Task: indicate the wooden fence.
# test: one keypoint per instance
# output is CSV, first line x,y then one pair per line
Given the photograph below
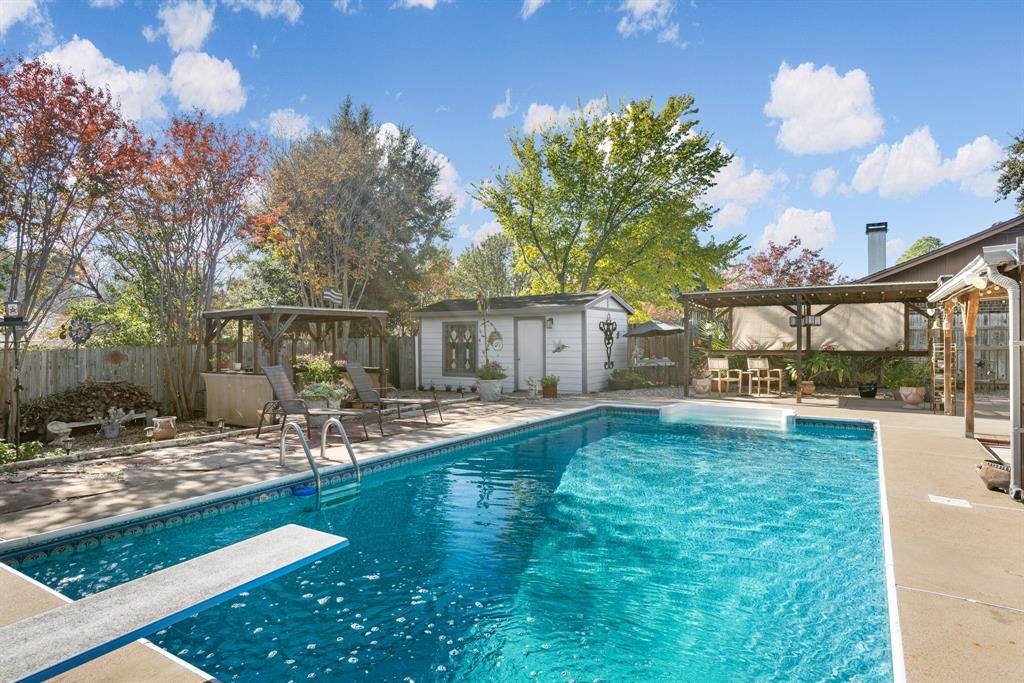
x,y
49,371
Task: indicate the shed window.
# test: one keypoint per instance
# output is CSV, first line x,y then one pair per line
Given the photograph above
x,y
460,349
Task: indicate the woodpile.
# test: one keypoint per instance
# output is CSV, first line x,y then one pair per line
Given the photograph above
x,y
88,400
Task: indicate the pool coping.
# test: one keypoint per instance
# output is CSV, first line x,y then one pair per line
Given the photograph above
x,y
37,547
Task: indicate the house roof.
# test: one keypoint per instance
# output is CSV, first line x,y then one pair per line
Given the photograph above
x,y
847,293
535,302
994,229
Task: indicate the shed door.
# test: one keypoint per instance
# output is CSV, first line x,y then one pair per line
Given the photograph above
x,y
529,352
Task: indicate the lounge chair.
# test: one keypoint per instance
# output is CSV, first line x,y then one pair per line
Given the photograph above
x,y
721,374
759,373
286,402
371,397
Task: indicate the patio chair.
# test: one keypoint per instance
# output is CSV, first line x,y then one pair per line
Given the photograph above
x,y
371,397
759,373
286,402
721,374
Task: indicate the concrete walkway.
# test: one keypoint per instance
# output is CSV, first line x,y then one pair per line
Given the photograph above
x,y
959,570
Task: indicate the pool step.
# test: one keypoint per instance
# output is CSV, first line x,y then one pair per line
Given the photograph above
x,y
727,415
340,495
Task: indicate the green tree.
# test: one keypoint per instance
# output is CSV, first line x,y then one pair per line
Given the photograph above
x,y
1011,173
613,201
922,246
489,267
264,280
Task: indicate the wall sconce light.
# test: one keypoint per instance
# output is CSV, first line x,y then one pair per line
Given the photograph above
x,y
549,323
979,281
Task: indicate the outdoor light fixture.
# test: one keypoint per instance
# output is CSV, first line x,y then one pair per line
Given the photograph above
x,y
220,424
549,323
930,311
66,443
808,321
979,281
12,309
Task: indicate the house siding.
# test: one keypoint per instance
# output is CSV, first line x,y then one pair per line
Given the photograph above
x,y
597,374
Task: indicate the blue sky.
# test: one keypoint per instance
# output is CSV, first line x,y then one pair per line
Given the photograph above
x,y
840,113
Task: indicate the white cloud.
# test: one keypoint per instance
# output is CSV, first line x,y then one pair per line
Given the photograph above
x,y
140,92
442,109
530,7
914,164
730,216
646,16
409,4
347,6
540,116
150,34
484,231
823,181
289,10
822,111
287,124
254,51
734,184
186,24
504,109
814,228
199,80
32,12
894,248
105,3
464,232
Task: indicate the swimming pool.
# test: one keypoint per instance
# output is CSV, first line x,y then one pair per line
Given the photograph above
x,y
607,547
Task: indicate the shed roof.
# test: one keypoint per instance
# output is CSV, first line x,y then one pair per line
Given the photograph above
x,y
537,302
847,293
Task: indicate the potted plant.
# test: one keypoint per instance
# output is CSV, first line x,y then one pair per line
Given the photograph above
x,y
111,422
620,379
549,386
319,395
820,365
488,379
317,368
866,385
700,379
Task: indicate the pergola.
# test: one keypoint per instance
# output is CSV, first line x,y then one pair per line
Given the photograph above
x,y
273,322
996,274
806,305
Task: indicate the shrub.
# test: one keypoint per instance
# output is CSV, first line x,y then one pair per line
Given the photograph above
x,y
84,402
320,391
902,372
491,370
29,451
317,369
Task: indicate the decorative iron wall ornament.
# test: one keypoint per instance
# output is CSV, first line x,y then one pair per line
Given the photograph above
x,y
608,326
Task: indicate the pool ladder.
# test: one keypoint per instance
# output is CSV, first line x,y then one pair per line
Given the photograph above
x,y
342,494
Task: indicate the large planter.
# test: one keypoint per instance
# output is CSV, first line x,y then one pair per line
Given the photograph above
x,y
995,474
165,428
807,387
111,431
867,390
701,385
550,391
619,384
317,421
912,397
490,389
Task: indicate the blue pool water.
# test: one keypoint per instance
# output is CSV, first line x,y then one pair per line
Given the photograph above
x,y
610,548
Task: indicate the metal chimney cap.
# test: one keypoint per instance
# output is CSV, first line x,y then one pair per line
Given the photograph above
x,y
876,227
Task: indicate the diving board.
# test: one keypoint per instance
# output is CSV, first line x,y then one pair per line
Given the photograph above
x,y
47,644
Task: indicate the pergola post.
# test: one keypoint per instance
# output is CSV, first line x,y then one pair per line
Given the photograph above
x,y
255,344
687,346
381,355
948,361
239,348
970,329
799,347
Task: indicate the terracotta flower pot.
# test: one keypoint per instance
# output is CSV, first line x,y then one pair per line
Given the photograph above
x,y
807,387
995,474
165,428
912,397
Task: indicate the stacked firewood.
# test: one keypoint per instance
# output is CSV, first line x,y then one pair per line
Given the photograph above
x,y
89,400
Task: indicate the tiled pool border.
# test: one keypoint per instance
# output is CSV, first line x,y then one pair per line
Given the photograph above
x,y
31,549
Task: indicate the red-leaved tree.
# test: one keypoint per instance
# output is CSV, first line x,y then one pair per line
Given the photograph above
x,y
186,218
782,265
67,162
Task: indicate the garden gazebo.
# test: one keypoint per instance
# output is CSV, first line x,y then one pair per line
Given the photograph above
x,y
238,395
858,319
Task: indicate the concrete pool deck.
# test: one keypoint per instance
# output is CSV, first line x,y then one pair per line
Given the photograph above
x,y
959,570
